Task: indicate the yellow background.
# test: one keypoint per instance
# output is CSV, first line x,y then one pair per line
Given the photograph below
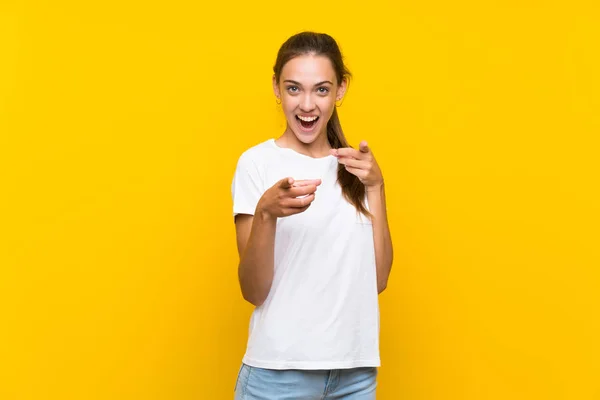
x,y
120,126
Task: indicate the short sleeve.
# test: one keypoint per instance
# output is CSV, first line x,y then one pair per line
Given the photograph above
x,y
247,187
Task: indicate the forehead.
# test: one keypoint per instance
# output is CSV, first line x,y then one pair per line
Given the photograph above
x,y
308,69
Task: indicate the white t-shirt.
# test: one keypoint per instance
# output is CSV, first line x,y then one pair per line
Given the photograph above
x,y
322,310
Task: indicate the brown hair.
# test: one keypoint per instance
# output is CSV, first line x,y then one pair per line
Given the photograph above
x,y
321,44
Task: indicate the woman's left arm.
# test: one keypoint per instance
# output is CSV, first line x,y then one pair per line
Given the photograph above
x,y
362,163
384,252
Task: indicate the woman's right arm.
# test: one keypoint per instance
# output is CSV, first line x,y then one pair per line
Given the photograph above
x,y
256,234
256,243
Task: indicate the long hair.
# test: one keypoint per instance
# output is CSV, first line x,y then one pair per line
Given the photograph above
x,y
321,44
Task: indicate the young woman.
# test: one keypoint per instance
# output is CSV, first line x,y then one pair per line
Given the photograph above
x,y
312,265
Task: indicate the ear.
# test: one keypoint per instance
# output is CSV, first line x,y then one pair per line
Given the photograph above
x,y
276,87
341,90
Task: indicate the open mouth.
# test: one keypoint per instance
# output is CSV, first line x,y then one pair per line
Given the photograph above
x,y
307,124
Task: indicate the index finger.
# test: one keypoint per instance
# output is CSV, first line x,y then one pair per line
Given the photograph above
x,y
348,152
307,182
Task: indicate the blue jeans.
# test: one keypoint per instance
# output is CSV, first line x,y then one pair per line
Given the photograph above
x,y
255,383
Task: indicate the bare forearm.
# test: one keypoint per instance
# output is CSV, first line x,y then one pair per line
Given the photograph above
x,y
384,253
256,269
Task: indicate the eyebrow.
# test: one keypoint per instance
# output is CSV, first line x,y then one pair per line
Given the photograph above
x,y
299,84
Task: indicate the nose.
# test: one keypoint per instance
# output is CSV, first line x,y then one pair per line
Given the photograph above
x,y
307,103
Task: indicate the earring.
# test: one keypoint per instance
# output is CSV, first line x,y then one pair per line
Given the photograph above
x,y
336,104
279,100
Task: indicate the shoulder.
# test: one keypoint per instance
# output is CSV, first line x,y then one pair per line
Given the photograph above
x,y
257,155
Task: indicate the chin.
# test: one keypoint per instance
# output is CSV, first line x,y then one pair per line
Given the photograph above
x,y
307,137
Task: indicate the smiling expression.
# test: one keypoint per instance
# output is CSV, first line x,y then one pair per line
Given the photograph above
x,y
308,90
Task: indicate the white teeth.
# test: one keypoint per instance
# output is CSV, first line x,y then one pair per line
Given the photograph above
x,y
307,119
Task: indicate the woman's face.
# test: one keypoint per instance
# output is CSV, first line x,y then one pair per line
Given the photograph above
x,y
308,89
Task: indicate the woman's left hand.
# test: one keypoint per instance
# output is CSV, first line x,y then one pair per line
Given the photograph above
x,y
362,164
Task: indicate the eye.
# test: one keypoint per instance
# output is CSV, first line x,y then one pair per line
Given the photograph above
x,y
325,90
292,87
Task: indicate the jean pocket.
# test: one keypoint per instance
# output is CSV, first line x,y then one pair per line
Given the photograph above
x,y
237,381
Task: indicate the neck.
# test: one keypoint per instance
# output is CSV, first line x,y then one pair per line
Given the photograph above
x,y
318,148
